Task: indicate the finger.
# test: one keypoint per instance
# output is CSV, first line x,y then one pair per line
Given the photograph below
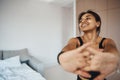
x,y
92,50
101,50
89,62
100,77
87,68
84,46
86,53
81,64
83,73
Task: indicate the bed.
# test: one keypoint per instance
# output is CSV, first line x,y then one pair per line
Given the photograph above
x,y
19,65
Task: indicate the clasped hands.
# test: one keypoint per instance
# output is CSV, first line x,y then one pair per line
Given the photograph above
x,y
86,58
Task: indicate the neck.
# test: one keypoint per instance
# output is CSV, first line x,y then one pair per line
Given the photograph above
x,y
90,37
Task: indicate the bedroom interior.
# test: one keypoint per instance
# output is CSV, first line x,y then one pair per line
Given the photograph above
x,y
36,30
19,65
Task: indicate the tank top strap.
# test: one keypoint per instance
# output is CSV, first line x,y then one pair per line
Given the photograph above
x,y
100,44
80,40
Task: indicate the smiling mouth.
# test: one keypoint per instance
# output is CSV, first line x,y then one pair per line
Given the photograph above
x,y
84,25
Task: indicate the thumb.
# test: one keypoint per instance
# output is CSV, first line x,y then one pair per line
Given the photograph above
x,y
84,46
101,50
93,51
100,77
83,73
87,68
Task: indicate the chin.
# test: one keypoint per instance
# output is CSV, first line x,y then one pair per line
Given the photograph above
x,y
85,30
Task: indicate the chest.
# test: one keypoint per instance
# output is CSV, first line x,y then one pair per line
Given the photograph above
x,y
96,45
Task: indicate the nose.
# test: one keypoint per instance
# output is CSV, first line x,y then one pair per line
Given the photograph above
x,y
83,20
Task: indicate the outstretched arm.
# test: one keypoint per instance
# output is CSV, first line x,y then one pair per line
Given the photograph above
x,y
72,59
106,61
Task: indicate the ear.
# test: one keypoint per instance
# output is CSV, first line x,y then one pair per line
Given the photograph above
x,y
98,24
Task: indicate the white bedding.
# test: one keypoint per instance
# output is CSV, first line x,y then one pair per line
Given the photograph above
x,y
23,72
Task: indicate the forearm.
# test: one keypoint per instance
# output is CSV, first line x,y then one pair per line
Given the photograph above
x,y
65,49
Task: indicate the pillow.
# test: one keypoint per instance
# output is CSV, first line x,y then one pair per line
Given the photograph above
x,y
23,53
1,54
10,62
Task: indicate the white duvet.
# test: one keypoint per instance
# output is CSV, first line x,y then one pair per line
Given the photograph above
x,y
23,72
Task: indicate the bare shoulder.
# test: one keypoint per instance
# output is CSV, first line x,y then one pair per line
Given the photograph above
x,y
110,45
109,41
72,43
73,40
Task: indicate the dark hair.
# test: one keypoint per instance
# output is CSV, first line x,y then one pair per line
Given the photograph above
x,y
97,18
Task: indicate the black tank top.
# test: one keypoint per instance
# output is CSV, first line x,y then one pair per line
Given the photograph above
x,y
93,73
100,44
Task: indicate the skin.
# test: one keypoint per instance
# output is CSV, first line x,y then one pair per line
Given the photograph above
x,y
79,60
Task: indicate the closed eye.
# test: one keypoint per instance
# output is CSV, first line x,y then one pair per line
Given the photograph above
x,y
88,18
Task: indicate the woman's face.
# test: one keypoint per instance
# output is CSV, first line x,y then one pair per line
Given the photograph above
x,y
88,23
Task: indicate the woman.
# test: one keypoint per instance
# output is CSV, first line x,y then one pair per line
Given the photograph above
x,y
90,56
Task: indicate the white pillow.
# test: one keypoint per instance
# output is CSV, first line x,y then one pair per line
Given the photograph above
x,y
10,62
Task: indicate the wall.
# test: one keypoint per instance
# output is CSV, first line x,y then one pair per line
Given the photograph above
x,y
67,28
108,10
35,25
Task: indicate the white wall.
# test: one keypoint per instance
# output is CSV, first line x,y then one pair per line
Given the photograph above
x,y
35,25
68,26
